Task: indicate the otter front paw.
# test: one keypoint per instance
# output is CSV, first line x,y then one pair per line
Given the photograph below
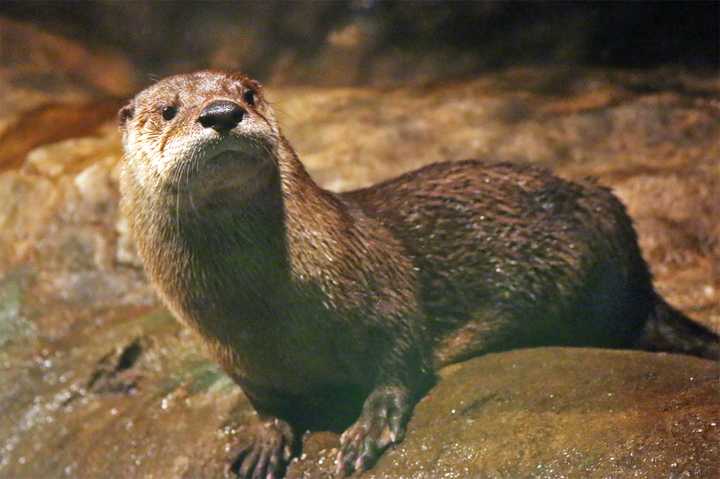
x,y
382,423
267,455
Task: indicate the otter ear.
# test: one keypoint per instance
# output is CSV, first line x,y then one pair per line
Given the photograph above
x,y
126,113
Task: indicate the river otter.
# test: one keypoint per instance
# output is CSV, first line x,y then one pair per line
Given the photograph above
x,y
325,306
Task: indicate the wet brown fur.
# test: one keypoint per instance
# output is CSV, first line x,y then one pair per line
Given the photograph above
x,y
303,294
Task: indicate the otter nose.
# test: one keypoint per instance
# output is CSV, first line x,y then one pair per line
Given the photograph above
x,y
221,115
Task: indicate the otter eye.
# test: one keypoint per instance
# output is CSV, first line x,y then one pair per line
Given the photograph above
x,y
249,97
169,112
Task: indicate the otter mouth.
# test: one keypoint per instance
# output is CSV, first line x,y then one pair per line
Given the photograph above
x,y
228,159
214,169
230,166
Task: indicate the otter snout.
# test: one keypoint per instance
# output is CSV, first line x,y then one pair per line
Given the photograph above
x,y
221,115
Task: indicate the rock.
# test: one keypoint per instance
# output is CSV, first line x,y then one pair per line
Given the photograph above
x,y
54,88
49,123
58,65
345,43
565,413
14,326
153,408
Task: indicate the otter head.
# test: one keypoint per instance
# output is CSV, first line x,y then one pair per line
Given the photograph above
x,y
202,133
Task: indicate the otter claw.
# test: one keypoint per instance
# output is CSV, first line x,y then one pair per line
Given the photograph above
x,y
267,456
381,424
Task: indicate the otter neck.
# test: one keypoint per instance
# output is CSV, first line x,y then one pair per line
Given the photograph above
x,y
264,242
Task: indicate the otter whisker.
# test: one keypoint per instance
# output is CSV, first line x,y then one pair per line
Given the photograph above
x,y
192,171
174,180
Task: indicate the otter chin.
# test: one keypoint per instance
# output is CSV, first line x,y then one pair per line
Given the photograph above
x,y
335,310
235,172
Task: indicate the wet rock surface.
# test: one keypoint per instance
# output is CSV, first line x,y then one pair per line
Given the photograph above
x,y
96,380
551,412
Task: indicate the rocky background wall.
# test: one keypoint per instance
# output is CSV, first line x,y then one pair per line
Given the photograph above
x,y
97,380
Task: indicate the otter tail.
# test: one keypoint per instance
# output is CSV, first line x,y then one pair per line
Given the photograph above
x,y
667,329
